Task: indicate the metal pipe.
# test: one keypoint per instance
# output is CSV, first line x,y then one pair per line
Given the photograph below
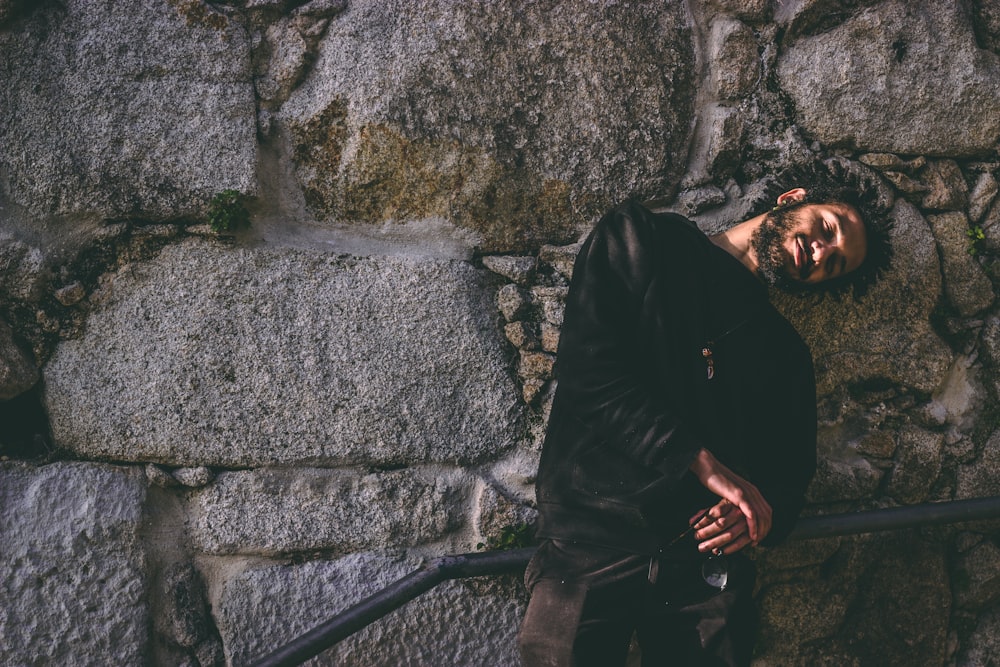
x,y
392,597
896,518
432,573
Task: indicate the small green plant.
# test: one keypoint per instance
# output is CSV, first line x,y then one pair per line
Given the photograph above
x,y
512,536
977,239
227,213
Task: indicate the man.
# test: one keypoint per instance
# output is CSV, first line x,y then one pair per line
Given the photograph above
x,y
683,427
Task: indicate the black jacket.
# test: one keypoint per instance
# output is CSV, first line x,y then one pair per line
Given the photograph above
x,y
634,402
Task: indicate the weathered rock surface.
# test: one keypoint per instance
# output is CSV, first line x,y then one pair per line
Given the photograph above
x,y
887,334
895,618
135,108
983,646
982,478
898,77
918,463
207,356
18,372
73,586
333,510
449,625
968,288
505,119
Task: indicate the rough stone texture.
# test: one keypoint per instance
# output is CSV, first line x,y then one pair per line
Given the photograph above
x,y
449,625
898,77
839,479
186,615
968,288
959,399
513,302
725,137
208,356
918,463
194,477
736,64
983,193
518,269
125,108
23,274
982,478
886,335
497,117
73,584
335,510
978,582
495,512
946,188
18,372
894,618
983,646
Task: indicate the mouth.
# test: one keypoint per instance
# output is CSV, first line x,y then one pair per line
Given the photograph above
x,y
802,260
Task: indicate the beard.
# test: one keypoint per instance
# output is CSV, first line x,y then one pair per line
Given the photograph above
x,y
768,241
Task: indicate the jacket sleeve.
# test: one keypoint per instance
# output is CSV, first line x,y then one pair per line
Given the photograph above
x,y
783,467
601,367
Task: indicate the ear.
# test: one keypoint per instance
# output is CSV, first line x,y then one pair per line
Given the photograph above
x,y
798,194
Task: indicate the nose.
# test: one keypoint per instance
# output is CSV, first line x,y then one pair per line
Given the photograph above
x,y
819,250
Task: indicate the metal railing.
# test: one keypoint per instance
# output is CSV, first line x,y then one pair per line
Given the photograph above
x,y
432,573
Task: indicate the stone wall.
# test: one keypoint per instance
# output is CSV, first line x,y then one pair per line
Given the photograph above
x,y
213,441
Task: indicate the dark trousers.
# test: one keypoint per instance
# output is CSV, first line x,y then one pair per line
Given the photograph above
x,y
587,601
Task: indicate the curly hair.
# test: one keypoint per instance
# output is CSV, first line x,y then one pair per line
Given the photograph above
x,y
836,181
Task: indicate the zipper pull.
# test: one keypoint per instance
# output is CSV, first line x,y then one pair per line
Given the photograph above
x,y
706,352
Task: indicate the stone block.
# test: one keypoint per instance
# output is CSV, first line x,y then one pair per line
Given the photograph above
x,y
403,96
245,357
73,580
448,625
967,286
270,512
735,62
135,108
935,86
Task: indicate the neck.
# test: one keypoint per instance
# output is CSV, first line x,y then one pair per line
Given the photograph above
x,y
737,241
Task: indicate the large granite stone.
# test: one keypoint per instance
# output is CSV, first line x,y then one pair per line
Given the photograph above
x,y
879,600
245,357
898,77
507,119
73,584
125,108
968,288
449,625
270,512
887,335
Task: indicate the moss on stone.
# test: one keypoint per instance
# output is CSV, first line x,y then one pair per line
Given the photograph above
x,y
388,177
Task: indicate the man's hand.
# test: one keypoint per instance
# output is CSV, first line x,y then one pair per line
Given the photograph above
x,y
722,527
741,494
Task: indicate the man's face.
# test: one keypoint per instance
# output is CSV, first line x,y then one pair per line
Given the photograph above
x,y
808,244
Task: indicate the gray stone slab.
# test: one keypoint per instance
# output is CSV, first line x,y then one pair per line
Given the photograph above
x,y
452,624
507,119
898,77
247,357
270,512
73,587
138,108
